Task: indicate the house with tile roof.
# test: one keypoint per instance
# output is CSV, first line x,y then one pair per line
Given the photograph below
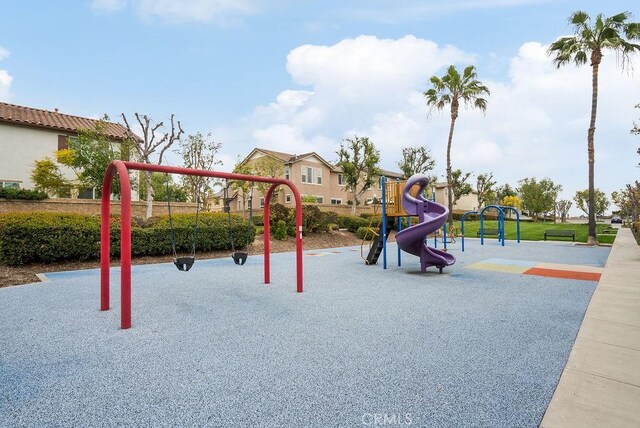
x,y
28,134
319,180
316,179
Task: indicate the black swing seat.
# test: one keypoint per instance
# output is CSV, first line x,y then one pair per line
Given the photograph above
x,y
184,263
240,257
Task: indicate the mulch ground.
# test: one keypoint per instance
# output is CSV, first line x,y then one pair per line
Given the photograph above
x,y
27,274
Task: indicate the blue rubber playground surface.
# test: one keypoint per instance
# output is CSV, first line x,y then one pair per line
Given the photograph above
x,y
216,347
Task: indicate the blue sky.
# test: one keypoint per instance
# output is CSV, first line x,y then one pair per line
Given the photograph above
x,y
298,76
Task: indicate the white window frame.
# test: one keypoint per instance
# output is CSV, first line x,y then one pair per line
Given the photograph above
x,y
287,173
262,202
336,201
316,175
287,198
341,180
319,199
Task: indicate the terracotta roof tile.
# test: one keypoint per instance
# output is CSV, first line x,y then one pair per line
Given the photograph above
x,y
53,120
285,157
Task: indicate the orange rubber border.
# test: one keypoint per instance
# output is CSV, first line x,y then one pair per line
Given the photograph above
x,y
566,274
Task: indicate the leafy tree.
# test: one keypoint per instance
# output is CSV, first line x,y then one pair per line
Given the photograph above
x,y
48,178
358,159
511,201
459,185
91,152
484,188
504,191
266,166
159,185
416,160
154,137
588,44
582,201
451,89
242,187
199,152
538,197
628,200
562,209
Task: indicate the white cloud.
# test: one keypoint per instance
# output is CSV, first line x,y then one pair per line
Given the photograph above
x,y
535,125
108,6
222,12
5,78
409,10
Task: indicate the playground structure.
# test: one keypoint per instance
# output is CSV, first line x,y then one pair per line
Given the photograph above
x,y
404,199
122,168
501,233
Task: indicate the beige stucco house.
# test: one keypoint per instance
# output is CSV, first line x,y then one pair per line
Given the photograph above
x,y
314,177
29,134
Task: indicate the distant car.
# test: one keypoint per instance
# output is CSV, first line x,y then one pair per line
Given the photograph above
x,y
616,219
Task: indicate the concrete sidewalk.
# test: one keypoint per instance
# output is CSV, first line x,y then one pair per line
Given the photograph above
x,y
600,385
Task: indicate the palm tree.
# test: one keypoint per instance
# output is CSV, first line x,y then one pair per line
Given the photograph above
x,y
587,44
451,89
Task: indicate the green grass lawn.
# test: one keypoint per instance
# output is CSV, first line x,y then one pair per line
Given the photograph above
x,y
535,231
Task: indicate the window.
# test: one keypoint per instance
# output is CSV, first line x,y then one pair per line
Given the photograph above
x,y
287,173
63,142
380,182
261,202
311,175
335,201
287,199
10,184
341,180
320,200
369,201
238,204
86,193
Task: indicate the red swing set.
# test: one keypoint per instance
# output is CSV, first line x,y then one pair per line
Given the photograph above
x,y
122,168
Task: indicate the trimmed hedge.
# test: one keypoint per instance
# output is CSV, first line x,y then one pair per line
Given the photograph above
x,y
30,195
51,237
368,231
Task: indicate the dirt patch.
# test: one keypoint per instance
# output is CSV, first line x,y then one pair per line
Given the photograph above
x,y
27,274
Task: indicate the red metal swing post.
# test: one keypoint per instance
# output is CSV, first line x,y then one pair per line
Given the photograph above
x,y
122,168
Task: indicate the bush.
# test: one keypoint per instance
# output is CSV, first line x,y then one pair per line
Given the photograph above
x,y
31,195
280,232
279,212
351,223
51,237
367,231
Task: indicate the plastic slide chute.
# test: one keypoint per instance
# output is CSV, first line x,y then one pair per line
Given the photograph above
x,y
432,216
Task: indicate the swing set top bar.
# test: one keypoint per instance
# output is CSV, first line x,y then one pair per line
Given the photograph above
x,y
122,168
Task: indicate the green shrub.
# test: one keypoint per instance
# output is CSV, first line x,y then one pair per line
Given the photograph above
x,y
352,223
51,237
31,195
279,212
48,237
280,232
366,230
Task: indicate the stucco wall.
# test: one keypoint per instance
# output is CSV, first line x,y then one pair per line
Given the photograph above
x,y
21,147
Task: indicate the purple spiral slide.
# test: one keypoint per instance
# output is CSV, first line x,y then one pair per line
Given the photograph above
x,y
432,217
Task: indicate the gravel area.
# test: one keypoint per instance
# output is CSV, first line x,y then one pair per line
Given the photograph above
x,y
216,347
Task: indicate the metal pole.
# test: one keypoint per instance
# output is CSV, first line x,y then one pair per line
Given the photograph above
x,y
384,222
